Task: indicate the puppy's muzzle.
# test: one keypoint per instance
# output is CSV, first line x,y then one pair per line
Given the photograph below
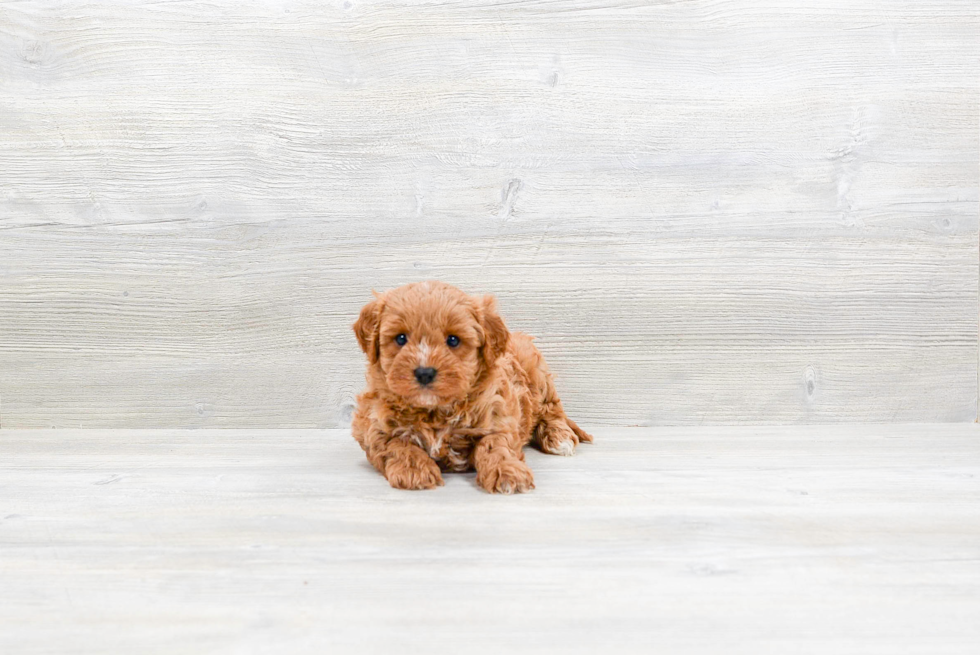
x,y
425,375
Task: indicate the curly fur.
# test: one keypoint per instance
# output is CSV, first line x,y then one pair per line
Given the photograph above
x,y
491,396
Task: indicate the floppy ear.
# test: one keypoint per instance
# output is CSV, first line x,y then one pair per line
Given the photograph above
x,y
368,326
495,333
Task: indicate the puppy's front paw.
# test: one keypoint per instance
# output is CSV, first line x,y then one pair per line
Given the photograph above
x,y
415,472
506,476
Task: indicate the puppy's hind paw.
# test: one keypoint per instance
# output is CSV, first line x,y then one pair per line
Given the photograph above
x,y
557,438
583,436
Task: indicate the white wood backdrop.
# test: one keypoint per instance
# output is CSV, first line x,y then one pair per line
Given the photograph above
x,y
708,211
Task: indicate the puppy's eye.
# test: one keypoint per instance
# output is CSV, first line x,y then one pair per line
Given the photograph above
x,y
401,339
452,341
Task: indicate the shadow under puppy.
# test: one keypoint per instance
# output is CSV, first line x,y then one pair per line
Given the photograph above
x,y
449,387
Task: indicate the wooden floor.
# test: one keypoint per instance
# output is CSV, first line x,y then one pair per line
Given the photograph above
x,y
819,539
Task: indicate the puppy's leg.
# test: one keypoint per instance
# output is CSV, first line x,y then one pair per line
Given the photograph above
x,y
555,433
500,467
405,465
409,467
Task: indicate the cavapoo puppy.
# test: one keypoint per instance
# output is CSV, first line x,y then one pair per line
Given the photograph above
x,y
449,387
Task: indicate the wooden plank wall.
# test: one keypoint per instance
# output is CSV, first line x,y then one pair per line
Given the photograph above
x,y
708,211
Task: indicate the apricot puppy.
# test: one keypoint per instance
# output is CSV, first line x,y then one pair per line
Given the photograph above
x,y
449,388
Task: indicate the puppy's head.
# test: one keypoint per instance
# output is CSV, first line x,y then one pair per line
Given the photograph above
x,y
429,342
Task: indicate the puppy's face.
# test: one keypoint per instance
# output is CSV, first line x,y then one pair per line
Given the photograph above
x,y
430,342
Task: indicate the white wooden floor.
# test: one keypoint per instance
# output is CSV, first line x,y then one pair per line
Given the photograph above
x,y
819,539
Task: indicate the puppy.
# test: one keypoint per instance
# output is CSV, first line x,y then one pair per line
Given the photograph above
x,y
450,388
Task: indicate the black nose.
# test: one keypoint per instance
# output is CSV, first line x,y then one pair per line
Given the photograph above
x,y
425,375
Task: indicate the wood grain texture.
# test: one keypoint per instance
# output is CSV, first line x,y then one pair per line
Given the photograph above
x,y
708,211
810,539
